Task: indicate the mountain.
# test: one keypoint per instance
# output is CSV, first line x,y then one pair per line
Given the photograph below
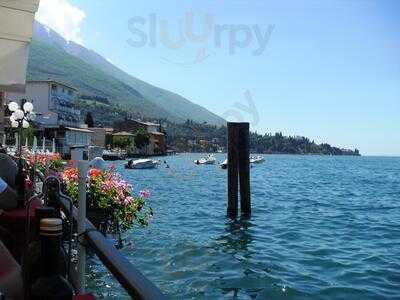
x,y
51,56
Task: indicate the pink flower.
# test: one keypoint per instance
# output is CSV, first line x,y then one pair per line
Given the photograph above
x,y
28,183
129,200
144,193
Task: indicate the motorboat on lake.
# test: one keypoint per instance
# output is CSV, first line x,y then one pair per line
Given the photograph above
x,y
224,164
208,160
256,159
141,164
253,160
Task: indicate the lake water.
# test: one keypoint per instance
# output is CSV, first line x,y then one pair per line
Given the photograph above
x,y
322,228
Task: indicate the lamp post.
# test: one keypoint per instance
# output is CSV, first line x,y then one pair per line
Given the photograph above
x,y
20,119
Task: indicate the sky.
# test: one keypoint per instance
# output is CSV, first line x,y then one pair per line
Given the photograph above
x,y
328,70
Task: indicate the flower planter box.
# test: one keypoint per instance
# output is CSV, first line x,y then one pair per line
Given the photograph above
x,y
98,217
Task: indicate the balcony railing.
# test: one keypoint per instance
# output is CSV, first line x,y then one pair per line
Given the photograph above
x,y
131,279
66,109
63,96
68,123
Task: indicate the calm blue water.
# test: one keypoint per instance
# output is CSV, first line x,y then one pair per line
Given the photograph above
x,y
321,228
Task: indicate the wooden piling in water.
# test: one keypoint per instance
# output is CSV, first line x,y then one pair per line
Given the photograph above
x,y
233,158
238,168
244,168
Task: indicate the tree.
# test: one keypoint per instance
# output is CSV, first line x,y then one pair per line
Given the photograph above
x,y
142,139
27,133
89,120
122,142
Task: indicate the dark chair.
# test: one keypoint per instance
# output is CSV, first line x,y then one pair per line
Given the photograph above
x,y
11,284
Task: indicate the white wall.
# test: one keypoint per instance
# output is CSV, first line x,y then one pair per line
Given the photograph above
x,y
37,93
78,138
152,128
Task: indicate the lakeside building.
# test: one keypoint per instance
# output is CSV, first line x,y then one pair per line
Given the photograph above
x,y
99,136
57,117
157,146
53,102
67,138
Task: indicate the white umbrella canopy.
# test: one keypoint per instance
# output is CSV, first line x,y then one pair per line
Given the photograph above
x,y
24,5
13,63
16,22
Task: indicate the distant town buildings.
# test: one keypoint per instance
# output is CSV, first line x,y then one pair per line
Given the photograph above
x,y
202,145
157,138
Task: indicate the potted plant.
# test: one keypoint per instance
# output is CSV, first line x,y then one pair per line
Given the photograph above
x,y
111,204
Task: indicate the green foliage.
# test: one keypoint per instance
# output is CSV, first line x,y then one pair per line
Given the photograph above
x,y
122,142
103,115
178,135
109,140
27,133
56,164
95,98
89,119
278,143
142,139
51,61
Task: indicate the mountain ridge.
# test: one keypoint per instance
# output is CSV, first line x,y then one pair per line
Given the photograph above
x,y
166,103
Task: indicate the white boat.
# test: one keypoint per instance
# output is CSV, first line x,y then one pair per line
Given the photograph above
x,y
141,164
224,164
253,160
256,159
208,160
113,155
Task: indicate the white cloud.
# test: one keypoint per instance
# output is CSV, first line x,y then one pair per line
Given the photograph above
x,y
63,17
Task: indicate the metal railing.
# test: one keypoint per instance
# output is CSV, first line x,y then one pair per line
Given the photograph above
x,y
66,109
130,278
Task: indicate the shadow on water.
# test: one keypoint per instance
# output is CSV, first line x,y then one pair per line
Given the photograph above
x,y
235,243
236,236
252,278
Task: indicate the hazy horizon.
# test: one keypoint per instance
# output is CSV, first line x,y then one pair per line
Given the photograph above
x,y
329,71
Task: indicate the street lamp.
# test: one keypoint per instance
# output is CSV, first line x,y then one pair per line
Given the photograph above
x,y
20,119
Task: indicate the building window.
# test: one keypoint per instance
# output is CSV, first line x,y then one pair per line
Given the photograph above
x,y
63,90
54,88
70,92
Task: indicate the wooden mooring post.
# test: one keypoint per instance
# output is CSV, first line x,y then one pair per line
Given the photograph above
x,y
233,157
238,168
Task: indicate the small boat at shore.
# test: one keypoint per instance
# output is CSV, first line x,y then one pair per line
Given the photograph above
x,y
141,164
224,164
113,155
208,160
